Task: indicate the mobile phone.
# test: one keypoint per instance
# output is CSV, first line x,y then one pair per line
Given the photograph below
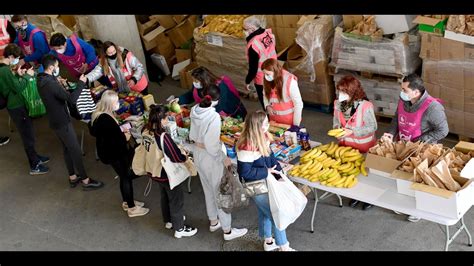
x,y
277,176
125,127
26,66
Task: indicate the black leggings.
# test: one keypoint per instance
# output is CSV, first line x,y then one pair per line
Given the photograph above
x,y
25,127
172,204
259,89
122,168
72,150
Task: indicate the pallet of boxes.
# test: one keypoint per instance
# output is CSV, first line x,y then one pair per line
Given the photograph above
x,y
220,46
306,55
378,50
168,38
448,68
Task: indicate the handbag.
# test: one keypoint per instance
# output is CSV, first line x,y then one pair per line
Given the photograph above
x,y
177,172
231,193
33,102
255,188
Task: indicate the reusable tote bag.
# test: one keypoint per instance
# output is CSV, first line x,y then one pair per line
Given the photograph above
x,y
33,101
177,172
287,202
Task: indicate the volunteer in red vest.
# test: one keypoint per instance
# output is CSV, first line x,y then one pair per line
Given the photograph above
x,y
229,100
282,98
419,116
7,34
122,68
355,114
75,54
260,47
31,39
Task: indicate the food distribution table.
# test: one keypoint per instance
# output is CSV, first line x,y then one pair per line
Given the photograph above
x,y
382,192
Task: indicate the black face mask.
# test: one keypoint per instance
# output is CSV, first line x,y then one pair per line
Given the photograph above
x,y
112,57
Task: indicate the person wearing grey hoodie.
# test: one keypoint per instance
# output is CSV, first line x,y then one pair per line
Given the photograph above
x,y
419,117
210,160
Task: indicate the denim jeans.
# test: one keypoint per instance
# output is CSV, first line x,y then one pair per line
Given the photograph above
x,y
265,220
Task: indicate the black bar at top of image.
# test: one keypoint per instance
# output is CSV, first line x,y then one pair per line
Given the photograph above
x,y
238,7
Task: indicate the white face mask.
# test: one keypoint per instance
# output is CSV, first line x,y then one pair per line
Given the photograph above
x,y
197,85
343,97
214,103
56,72
15,61
61,51
405,96
269,77
265,126
117,106
246,33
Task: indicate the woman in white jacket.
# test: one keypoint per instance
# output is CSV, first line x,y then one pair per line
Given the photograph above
x,y
210,160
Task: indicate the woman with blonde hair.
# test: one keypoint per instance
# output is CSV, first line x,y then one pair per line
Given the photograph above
x,y
256,161
112,148
282,98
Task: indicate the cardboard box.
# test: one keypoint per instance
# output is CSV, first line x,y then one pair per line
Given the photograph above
x,y
182,33
284,21
439,48
182,55
395,23
166,21
145,28
150,40
305,18
185,78
469,125
453,98
431,25
164,47
469,101
444,202
381,165
351,20
455,121
178,67
404,182
464,146
459,37
284,37
433,89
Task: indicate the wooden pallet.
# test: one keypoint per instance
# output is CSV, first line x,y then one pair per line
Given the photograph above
x,y
323,108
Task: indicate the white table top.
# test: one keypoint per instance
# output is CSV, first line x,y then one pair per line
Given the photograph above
x,y
380,191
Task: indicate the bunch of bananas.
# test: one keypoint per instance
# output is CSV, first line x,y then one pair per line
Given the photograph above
x,y
227,24
332,165
337,132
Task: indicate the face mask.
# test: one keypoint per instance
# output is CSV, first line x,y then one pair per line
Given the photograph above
x,y
56,72
268,77
197,85
214,103
112,57
405,96
246,33
117,106
343,97
265,128
61,51
15,61
23,27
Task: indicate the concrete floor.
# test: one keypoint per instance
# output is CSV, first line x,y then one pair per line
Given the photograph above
x,y
43,213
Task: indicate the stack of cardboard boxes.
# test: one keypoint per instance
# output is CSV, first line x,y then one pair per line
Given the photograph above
x,y
284,27
168,36
448,73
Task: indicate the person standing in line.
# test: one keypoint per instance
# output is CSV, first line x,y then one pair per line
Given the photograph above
x,y
54,97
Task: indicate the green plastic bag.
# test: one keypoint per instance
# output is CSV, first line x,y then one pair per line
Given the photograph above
x,y
33,102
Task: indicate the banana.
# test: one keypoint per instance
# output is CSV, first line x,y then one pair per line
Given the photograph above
x,y
305,166
313,179
347,170
337,164
348,180
340,181
354,152
310,153
318,152
340,186
322,173
328,163
332,150
351,158
362,169
334,132
344,150
326,175
340,134
337,153
344,167
353,183
316,168
322,157
333,177
354,171
324,147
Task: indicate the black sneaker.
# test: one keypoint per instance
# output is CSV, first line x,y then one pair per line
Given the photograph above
x,y
39,170
4,140
43,159
73,183
186,231
93,184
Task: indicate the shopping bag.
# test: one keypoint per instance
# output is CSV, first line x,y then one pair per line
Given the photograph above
x,y
287,202
33,102
139,160
231,194
177,172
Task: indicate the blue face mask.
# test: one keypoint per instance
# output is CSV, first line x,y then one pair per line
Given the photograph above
x,y
404,96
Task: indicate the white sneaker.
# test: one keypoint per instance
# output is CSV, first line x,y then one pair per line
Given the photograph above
x,y
137,203
186,231
170,225
269,247
286,247
413,219
216,227
137,211
235,233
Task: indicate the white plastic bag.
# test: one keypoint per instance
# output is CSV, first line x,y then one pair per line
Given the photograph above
x,y
287,202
